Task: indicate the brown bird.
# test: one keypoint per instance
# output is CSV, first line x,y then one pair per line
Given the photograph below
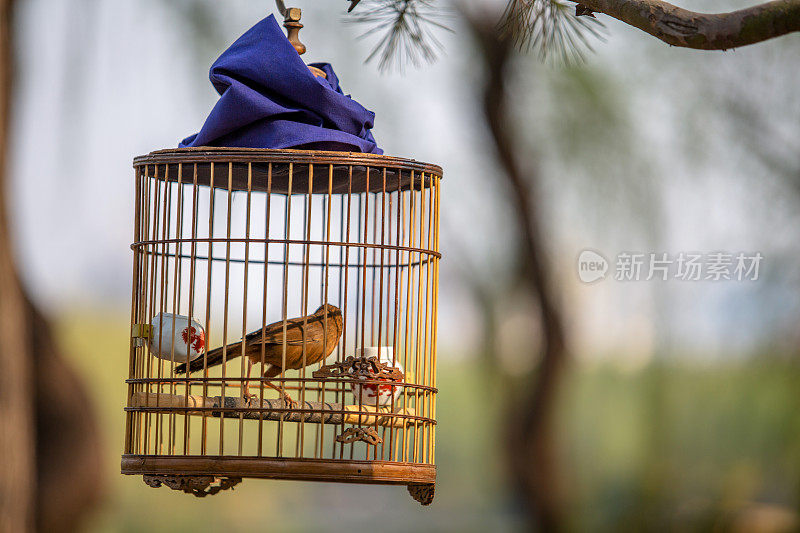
x,y
319,333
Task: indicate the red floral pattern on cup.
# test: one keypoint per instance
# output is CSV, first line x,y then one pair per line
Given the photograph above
x,y
193,339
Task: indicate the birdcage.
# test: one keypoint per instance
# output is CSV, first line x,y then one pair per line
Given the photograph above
x,y
311,278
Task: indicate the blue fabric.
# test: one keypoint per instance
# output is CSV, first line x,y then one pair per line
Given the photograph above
x,y
269,99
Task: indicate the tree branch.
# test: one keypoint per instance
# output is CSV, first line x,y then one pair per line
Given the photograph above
x,y
721,31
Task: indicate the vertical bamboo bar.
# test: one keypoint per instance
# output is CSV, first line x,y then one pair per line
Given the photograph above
x,y
209,267
363,279
426,353
397,291
422,318
267,213
434,349
358,326
143,302
151,302
176,302
132,348
318,452
339,388
243,357
285,298
420,315
391,269
380,300
408,344
304,305
162,290
346,279
371,268
192,264
224,382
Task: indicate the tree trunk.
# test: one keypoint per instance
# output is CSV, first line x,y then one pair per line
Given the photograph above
x,y
49,458
531,446
17,433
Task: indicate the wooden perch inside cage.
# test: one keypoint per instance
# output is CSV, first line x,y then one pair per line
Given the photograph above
x,y
238,407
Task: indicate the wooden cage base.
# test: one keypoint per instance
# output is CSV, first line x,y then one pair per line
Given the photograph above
x,y
312,412
195,475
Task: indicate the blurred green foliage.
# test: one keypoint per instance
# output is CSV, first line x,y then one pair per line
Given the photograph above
x,y
670,446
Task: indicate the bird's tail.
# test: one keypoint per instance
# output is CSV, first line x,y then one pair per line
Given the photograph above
x,y
214,357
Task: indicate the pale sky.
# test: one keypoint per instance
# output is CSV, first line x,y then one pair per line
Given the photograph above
x,y
95,91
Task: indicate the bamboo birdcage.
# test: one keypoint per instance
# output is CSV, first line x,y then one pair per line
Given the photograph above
x,y
239,238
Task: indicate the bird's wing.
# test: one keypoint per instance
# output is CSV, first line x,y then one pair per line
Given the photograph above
x,y
274,333
299,335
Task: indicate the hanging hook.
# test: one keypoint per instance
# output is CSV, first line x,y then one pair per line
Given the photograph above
x,y
291,21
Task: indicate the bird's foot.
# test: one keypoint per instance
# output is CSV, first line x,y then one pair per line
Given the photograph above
x,y
252,400
288,401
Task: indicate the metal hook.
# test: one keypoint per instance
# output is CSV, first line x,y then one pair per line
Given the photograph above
x,y
291,21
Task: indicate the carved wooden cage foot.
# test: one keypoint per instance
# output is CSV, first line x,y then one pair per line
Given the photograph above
x,y
199,486
283,323
422,492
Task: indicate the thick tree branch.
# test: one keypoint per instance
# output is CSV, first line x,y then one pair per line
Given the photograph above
x,y
17,428
680,27
50,460
532,448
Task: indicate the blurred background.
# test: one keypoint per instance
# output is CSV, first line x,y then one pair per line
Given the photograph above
x,y
677,404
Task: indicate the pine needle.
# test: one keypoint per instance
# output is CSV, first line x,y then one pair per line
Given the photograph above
x,y
550,28
406,28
